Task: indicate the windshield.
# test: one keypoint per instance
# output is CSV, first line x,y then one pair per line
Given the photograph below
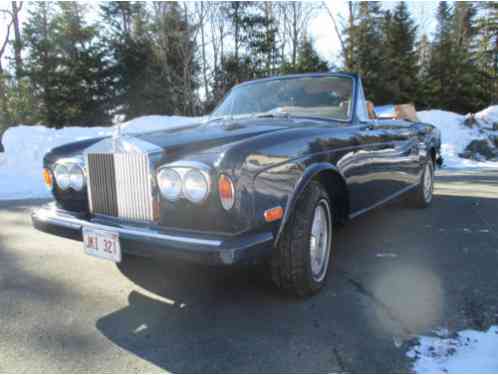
x,y
324,96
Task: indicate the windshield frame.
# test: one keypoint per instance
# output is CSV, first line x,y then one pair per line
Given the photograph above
x,y
353,77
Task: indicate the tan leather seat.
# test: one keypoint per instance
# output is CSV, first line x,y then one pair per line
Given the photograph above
x,y
371,110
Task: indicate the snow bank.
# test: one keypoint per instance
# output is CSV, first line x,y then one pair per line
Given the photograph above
x,y
487,117
456,136
469,352
25,146
20,165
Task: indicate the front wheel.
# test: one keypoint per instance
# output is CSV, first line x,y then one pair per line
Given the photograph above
x,y
301,260
421,197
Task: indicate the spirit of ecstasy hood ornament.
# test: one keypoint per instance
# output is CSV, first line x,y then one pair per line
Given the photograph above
x,y
116,135
127,143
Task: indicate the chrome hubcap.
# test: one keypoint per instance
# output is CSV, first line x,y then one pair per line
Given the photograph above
x,y
320,240
428,183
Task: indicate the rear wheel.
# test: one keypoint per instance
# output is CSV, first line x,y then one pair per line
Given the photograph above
x,y
421,197
301,259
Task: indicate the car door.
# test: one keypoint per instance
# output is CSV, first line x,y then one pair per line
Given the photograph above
x,y
368,167
405,158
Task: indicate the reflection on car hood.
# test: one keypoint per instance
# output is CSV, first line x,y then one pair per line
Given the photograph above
x,y
218,132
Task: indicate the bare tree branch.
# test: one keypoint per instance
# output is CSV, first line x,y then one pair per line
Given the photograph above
x,y
336,28
6,40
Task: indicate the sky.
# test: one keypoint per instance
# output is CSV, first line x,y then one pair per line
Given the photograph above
x,y
321,28
327,42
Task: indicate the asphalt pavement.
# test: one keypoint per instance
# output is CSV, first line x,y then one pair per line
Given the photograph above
x,y
397,272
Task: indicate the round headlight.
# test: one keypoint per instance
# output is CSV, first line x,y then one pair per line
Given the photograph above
x,y
62,177
76,177
195,186
170,184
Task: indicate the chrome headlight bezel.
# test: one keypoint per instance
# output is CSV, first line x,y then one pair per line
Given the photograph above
x,y
188,191
174,175
61,174
69,174
185,170
77,180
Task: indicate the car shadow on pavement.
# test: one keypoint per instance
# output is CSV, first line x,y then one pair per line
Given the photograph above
x,y
393,278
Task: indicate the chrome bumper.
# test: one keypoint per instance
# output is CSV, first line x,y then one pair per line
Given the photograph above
x,y
150,241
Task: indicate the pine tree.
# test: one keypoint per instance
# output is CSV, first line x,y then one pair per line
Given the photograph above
x,y
400,78
176,63
442,64
423,94
42,61
368,50
487,51
132,54
66,66
308,60
84,81
465,88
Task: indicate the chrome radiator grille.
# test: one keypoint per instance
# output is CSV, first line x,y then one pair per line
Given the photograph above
x,y
120,185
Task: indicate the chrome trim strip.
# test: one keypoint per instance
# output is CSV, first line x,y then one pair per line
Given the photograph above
x,y
385,200
50,216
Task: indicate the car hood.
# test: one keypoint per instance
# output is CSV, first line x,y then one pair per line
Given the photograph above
x,y
190,139
215,133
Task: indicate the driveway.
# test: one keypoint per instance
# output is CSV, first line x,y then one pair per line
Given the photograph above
x,y
398,272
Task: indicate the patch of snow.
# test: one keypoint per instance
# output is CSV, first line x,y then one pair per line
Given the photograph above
x,y
25,146
468,352
487,117
455,136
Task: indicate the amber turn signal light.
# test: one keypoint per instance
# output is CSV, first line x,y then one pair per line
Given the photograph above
x,y
273,214
47,178
226,191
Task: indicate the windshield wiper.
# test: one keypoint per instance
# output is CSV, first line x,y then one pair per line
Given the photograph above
x,y
272,114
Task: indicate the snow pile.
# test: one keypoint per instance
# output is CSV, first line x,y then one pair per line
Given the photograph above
x,y
487,117
25,146
456,136
469,352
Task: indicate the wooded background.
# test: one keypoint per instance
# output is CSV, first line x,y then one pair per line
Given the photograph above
x,y
62,67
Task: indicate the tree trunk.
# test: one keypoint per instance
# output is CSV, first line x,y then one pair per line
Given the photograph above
x,y
295,35
17,38
203,50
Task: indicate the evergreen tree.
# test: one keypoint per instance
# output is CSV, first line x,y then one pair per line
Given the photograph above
x,y
84,81
400,56
132,56
487,51
66,66
176,68
442,65
261,39
308,60
367,45
422,97
42,62
465,88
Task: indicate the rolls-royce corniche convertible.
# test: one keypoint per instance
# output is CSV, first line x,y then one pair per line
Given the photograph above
x,y
265,178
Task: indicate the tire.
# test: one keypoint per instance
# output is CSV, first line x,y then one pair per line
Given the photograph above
x,y
300,260
421,197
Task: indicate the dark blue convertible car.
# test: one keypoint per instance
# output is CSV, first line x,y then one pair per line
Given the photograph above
x,y
264,178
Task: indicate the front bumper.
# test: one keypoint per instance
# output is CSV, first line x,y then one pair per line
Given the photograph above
x,y
148,241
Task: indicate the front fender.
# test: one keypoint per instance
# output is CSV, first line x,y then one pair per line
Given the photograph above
x,y
310,173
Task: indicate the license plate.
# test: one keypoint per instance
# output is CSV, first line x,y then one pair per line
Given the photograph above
x,y
102,244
